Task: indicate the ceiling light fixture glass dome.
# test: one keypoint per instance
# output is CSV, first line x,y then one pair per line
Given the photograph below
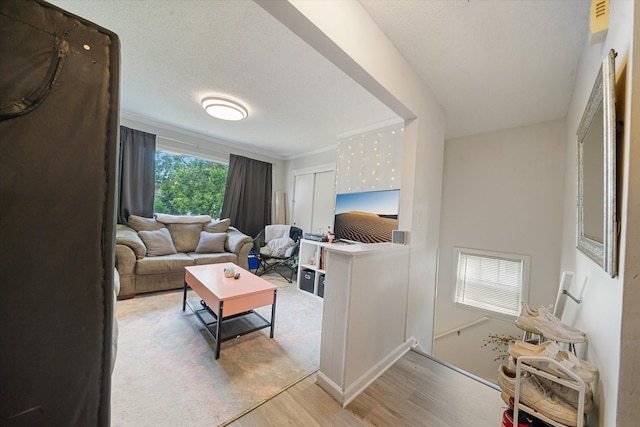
x,y
224,109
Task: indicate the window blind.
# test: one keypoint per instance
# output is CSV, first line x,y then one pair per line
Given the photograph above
x,y
490,282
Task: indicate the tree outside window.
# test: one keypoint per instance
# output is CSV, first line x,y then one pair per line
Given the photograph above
x,y
188,185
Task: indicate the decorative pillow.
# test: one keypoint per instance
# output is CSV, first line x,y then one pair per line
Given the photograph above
x,y
185,236
218,226
158,242
140,223
211,243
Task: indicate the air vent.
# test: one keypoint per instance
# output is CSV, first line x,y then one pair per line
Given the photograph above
x,y
599,22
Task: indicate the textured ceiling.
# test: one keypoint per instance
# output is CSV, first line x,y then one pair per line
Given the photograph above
x,y
174,53
491,64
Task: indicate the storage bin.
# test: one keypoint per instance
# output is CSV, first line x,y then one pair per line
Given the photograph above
x,y
321,285
307,278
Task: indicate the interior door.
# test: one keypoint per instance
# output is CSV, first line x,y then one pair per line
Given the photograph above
x,y
323,202
303,201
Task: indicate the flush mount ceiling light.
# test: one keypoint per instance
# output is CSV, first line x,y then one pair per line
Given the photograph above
x,y
224,109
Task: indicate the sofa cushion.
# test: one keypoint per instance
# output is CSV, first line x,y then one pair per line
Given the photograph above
x,y
158,242
163,264
200,259
211,242
182,219
185,236
140,223
217,226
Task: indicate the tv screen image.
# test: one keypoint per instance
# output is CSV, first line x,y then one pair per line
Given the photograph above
x,y
367,217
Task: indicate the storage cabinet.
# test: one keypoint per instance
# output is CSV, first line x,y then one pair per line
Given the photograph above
x,y
311,270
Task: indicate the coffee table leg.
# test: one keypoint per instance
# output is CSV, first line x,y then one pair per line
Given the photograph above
x,y
273,313
218,330
184,298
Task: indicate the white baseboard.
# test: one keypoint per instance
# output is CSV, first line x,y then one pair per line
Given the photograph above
x,y
417,346
353,390
330,387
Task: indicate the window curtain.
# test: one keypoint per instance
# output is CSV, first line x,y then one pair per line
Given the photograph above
x,y
247,196
137,174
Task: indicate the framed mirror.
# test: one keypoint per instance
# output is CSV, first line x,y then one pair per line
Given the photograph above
x,y
597,224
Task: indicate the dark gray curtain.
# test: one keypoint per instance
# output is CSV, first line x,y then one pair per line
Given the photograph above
x,y
137,173
247,196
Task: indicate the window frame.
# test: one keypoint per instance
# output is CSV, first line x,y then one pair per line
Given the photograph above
x,y
173,152
524,286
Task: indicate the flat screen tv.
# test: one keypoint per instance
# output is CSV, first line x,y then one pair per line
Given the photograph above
x,y
367,217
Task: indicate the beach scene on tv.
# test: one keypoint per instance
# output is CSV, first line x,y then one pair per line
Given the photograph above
x,y
367,217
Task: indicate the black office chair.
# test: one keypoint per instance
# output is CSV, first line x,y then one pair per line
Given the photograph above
x,y
270,262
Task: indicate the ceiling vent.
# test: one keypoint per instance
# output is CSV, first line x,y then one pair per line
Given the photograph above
x,y
599,22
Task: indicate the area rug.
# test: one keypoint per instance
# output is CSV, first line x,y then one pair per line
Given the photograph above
x,y
166,373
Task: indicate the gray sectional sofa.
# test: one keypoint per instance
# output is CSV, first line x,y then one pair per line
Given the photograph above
x,y
149,258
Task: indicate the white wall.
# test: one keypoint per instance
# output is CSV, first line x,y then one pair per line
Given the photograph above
x,y
629,384
370,161
346,35
312,162
600,313
502,191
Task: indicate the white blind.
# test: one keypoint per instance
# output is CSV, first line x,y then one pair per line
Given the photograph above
x,y
490,282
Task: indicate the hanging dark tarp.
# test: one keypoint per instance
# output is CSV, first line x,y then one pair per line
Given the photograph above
x,y
58,161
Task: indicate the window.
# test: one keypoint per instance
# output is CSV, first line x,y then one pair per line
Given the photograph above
x,y
492,281
188,185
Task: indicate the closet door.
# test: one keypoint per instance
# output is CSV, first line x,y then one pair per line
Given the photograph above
x,y
303,201
323,202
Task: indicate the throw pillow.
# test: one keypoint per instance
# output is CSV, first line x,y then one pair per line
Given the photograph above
x,y
140,223
158,242
211,243
185,236
218,226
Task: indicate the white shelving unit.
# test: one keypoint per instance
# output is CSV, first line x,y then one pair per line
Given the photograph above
x,y
526,363
311,250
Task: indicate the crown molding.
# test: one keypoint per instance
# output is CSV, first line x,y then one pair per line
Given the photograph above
x,y
332,147
374,127
232,147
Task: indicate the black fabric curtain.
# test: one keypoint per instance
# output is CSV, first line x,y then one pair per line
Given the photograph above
x,y
137,173
247,196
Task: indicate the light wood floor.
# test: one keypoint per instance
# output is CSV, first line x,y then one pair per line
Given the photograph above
x,y
416,391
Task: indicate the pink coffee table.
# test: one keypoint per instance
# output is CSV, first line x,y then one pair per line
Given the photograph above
x,y
228,298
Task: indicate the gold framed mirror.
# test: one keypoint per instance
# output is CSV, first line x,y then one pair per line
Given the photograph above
x,y
597,226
